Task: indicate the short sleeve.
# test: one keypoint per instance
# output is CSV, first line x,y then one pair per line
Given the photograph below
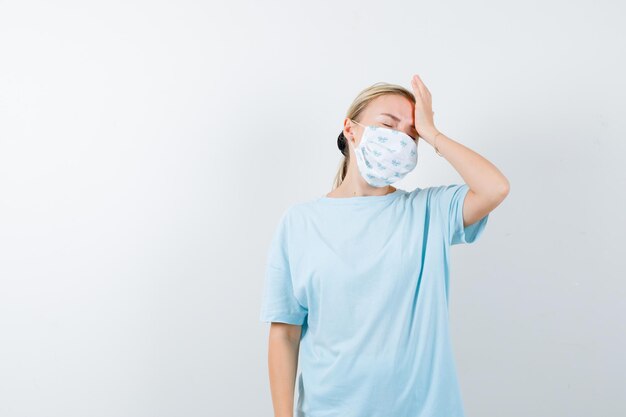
x,y
449,200
279,303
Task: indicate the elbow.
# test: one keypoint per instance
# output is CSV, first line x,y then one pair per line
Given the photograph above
x,y
504,190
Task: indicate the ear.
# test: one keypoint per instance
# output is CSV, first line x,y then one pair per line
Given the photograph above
x,y
347,128
349,131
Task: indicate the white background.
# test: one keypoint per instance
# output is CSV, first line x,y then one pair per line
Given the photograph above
x,y
148,148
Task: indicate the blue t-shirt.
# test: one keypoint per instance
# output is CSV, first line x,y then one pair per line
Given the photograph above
x,y
367,277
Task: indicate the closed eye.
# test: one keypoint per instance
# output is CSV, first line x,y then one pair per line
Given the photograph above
x,y
388,125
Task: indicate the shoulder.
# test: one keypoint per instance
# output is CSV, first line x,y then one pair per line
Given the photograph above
x,y
424,194
438,198
439,192
296,212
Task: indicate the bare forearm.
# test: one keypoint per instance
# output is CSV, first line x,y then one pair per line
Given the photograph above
x,y
483,178
283,364
481,175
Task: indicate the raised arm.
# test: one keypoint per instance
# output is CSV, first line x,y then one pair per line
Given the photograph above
x,y
488,186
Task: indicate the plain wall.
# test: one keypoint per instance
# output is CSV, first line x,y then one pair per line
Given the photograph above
x,y
148,148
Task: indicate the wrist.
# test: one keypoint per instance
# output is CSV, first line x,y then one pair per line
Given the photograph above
x,y
429,135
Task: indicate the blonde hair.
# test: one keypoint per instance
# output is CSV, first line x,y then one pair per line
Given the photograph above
x,y
356,108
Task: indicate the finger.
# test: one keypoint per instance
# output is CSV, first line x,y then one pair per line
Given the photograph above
x,y
420,85
415,83
415,86
423,87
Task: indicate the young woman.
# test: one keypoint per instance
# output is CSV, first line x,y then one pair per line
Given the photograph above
x,y
357,280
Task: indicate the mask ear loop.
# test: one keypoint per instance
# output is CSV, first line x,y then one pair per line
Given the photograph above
x,y
357,123
352,120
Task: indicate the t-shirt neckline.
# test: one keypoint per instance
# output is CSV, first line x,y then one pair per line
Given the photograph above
x,y
360,199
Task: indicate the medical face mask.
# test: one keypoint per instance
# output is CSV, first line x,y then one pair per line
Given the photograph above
x,y
385,156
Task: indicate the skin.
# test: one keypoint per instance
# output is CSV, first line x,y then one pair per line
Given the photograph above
x,y
487,189
284,345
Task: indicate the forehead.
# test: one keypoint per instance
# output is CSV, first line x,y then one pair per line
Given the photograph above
x,y
391,103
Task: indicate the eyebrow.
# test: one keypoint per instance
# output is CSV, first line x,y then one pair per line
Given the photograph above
x,y
397,119
391,115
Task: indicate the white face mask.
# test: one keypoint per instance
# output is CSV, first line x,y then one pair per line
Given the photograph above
x,y
385,155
